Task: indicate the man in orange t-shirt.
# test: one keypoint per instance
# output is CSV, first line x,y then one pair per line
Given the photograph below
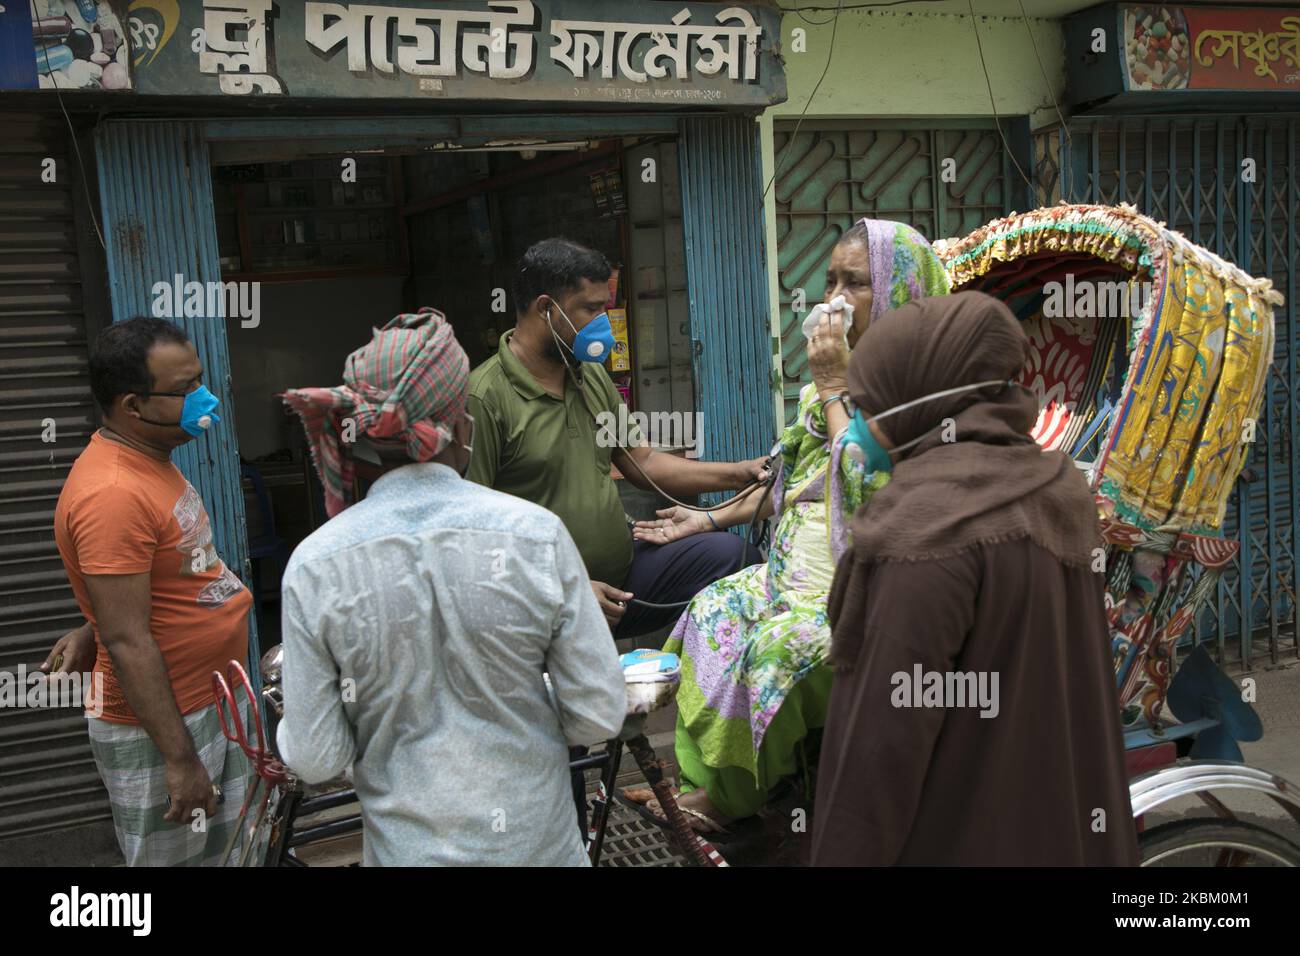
x,y
165,610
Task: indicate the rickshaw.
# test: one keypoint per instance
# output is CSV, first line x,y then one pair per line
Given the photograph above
x,y
1149,360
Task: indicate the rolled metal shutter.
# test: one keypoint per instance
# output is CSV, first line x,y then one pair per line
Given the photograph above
x,y
730,322
1187,171
48,780
156,184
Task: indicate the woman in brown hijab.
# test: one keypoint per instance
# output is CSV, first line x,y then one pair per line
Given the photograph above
x,y
973,718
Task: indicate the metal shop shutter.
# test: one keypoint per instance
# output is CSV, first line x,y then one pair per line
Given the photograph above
x,y
1188,172
48,780
727,284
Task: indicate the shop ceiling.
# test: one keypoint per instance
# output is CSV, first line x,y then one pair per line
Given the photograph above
x,y
263,140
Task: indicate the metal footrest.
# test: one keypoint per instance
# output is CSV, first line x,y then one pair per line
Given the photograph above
x,y
631,841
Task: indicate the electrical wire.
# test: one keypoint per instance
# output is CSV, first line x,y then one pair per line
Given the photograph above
x,y
835,24
740,565
72,133
1043,70
997,120
815,23
742,493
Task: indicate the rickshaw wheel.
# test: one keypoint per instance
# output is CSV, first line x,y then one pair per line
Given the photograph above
x,y
1215,842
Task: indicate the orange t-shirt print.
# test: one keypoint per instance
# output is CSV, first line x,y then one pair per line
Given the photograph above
x,y
122,512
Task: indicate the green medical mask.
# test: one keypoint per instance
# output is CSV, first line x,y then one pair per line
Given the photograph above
x,y
874,454
860,444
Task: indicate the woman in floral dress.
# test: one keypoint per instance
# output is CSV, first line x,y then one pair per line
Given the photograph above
x,y
753,645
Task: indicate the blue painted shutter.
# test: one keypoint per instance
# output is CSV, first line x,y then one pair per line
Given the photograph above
x,y
156,192
726,273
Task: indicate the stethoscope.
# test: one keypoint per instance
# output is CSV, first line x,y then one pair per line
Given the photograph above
x,y
766,484
753,522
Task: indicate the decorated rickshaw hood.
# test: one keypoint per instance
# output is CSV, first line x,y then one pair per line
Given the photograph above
x,y
1197,362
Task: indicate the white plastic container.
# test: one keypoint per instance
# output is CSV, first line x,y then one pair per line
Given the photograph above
x,y
651,678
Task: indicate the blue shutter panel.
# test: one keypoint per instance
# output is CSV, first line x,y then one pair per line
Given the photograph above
x,y
156,193
727,275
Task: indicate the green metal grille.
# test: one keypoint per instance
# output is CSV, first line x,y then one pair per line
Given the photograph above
x,y
832,174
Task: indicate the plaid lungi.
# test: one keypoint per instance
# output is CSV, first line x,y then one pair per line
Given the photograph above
x,y
131,767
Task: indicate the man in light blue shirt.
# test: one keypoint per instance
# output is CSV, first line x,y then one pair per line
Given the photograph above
x,y
419,622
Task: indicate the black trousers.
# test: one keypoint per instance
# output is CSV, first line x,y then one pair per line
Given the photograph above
x,y
676,572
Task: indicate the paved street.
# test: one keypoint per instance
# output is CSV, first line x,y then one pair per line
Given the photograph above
x,y
1278,705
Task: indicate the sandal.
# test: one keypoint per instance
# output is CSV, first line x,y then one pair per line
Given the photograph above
x,y
714,827
717,834
743,828
638,795
643,802
642,810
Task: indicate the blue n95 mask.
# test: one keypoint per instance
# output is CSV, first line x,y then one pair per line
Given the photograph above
x,y
861,445
593,342
198,414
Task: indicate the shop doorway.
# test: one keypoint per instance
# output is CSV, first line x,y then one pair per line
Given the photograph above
x,y
327,246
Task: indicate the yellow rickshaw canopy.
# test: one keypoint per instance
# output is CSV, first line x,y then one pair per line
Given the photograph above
x,y
1198,355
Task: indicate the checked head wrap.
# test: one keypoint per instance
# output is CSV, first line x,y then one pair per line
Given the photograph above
x,y
409,384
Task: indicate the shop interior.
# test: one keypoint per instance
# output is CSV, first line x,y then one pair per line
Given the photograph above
x,y
440,227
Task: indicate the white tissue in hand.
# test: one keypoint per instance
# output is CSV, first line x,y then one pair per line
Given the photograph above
x,y
838,304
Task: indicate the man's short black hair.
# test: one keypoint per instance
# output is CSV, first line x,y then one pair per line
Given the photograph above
x,y
556,266
119,362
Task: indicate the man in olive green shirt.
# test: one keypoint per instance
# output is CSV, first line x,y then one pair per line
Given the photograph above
x,y
535,404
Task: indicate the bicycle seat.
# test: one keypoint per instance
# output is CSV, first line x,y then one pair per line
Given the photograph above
x,y
651,678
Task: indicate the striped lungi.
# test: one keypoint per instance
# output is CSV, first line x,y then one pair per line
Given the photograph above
x,y
132,769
